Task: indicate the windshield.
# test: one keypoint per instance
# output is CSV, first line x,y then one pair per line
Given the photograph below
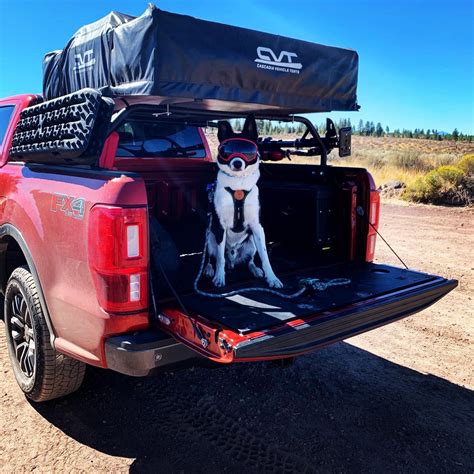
x,y
141,139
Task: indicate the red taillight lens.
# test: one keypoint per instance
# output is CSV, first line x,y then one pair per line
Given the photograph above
x,y
374,213
118,257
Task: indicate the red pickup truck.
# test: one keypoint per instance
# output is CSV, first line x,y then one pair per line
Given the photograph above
x,y
98,260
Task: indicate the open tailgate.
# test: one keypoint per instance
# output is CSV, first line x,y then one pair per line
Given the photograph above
x,y
260,326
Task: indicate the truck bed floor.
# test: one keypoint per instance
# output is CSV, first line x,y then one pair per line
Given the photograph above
x,y
258,310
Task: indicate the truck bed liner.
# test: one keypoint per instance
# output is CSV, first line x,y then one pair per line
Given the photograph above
x,y
259,311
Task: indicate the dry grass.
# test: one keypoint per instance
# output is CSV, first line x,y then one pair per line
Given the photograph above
x,y
385,173
412,144
404,159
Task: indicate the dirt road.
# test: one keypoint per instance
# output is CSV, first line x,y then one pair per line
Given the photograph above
x,y
396,399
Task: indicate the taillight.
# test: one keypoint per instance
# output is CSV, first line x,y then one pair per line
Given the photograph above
x,y
118,257
374,213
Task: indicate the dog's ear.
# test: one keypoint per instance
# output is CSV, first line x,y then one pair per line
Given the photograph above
x,y
224,130
250,129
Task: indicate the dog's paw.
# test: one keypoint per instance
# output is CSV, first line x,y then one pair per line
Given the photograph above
x,y
256,272
274,282
219,279
209,270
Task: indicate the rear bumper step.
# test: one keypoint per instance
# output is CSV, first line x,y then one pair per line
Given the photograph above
x,y
332,327
138,354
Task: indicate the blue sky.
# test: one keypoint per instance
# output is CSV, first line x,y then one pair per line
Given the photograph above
x,y
416,56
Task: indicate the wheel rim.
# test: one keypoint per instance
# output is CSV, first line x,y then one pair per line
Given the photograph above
x,y
23,336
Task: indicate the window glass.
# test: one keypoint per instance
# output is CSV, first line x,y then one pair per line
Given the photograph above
x,y
141,139
5,115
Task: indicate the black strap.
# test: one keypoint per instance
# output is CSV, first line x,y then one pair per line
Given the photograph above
x,y
156,264
238,196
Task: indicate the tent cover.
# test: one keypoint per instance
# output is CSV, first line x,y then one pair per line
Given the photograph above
x,y
201,65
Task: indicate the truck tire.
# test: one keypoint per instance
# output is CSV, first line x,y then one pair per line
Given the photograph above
x,y
40,371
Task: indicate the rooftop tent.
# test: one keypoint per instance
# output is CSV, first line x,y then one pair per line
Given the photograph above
x,y
201,65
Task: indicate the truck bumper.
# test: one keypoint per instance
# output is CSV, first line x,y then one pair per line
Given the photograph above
x,y
139,353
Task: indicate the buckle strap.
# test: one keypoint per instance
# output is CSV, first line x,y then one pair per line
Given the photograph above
x,y
238,196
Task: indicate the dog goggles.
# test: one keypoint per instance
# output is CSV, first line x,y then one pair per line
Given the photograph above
x,y
238,147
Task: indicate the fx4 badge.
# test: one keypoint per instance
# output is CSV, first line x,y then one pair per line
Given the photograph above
x,y
267,59
69,205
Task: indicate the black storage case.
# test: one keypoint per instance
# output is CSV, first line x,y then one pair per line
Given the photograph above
x,y
302,217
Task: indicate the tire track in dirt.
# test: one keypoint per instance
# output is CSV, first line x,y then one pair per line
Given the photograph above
x,y
197,419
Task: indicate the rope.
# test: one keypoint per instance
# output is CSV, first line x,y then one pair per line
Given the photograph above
x,y
362,213
388,245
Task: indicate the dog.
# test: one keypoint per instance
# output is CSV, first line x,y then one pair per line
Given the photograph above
x,y
236,234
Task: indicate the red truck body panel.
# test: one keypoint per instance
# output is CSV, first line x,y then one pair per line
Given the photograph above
x,y
50,210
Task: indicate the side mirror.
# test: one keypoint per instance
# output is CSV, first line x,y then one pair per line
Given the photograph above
x,y
345,138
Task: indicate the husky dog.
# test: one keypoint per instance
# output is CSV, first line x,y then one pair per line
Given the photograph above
x,y
236,234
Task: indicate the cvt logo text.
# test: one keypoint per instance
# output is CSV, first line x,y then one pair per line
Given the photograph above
x,y
84,61
267,59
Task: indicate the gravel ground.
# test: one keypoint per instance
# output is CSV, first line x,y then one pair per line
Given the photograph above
x,y
396,399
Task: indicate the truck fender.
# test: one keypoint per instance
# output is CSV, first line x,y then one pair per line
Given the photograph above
x,y
11,231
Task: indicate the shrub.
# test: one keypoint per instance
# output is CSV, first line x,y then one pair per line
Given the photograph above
x,y
444,178
376,161
444,185
417,192
466,163
440,159
410,160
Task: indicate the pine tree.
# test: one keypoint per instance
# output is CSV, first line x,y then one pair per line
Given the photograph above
x,y
367,128
455,134
387,130
379,130
360,127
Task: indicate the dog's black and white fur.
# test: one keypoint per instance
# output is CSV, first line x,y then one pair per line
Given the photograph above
x,y
227,244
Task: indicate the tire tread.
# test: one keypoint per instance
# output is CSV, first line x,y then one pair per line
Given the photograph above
x,y
59,375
